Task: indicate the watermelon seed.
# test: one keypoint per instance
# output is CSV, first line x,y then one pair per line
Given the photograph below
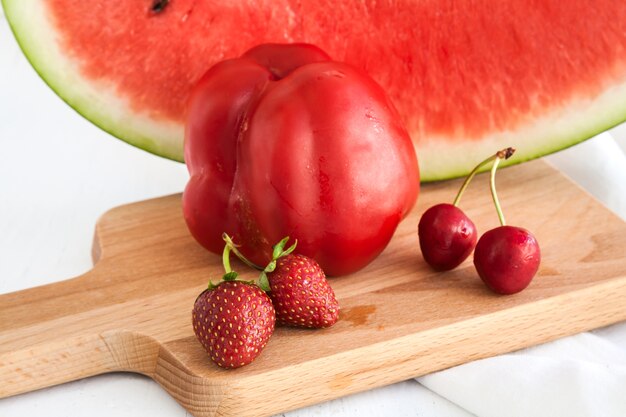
x,y
159,5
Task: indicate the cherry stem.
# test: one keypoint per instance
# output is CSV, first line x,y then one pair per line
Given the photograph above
x,y
503,153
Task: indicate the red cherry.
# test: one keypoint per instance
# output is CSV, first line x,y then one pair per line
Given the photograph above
x,y
507,258
446,235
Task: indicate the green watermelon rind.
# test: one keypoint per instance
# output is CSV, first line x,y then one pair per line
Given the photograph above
x,y
439,160
21,18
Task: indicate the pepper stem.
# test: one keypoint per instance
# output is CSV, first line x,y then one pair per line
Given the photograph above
x,y
505,153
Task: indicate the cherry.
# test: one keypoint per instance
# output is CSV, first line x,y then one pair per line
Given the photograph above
x,y
446,235
507,257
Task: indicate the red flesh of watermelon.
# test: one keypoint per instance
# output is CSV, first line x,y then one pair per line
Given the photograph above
x,y
421,52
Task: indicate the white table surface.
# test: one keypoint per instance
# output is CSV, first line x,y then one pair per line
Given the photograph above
x,y
59,173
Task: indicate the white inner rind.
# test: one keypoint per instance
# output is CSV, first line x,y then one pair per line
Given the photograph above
x,y
95,100
556,130
439,157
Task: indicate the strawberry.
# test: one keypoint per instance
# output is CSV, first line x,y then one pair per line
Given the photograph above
x,y
233,321
297,285
301,294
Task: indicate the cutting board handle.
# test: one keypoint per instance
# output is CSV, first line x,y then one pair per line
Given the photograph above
x,y
63,331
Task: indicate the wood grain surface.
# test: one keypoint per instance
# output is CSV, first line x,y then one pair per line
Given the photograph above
x,y
399,319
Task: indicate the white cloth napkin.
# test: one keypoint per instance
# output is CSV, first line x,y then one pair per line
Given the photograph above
x,y
581,375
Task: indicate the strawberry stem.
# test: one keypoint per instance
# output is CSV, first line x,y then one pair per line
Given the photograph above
x,y
278,252
229,274
264,282
504,153
279,248
232,247
226,259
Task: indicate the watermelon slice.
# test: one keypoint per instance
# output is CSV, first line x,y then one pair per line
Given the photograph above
x,y
467,77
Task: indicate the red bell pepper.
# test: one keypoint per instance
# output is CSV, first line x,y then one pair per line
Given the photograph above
x,y
285,142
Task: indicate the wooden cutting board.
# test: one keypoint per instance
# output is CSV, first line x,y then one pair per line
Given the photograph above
x,y
399,319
